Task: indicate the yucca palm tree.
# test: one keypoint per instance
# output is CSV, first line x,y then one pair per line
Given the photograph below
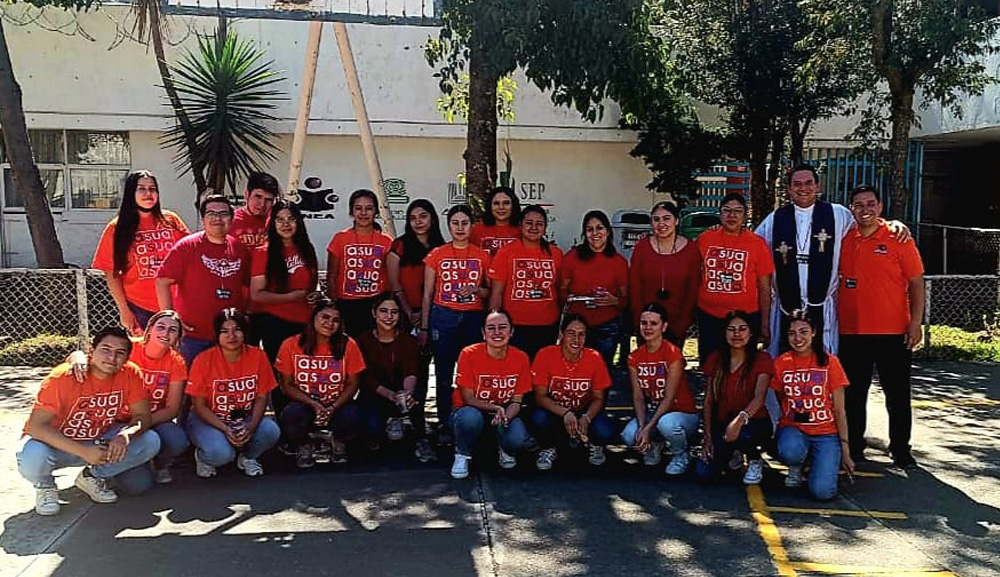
x,y
227,90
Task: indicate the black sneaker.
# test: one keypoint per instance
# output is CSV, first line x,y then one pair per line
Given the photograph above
x,y
905,461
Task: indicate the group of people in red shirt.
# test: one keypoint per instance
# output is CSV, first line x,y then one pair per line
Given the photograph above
x,y
511,324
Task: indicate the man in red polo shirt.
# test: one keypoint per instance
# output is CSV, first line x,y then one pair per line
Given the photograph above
x,y
881,304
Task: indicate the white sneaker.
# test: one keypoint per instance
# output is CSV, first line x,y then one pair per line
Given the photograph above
x,y
736,461
95,488
202,469
47,501
755,472
251,467
546,457
460,468
162,476
394,429
506,460
597,457
679,464
652,456
794,478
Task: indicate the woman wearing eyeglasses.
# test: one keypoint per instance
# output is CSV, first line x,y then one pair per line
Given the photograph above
x,y
735,276
665,270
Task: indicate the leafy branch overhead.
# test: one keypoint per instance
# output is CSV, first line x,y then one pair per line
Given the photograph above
x,y
228,91
583,54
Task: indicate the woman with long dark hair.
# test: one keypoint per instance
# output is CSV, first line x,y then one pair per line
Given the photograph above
x,y
390,389
595,283
454,293
229,386
405,263
132,247
665,269
320,372
736,422
356,264
810,386
501,223
525,276
284,277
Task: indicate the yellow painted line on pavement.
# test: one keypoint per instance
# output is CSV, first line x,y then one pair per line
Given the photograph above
x,y
967,402
769,531
840,512
859,570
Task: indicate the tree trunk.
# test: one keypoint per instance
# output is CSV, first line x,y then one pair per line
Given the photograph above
x,y
761,197
27,179
481,141
901,103
156,35
797,137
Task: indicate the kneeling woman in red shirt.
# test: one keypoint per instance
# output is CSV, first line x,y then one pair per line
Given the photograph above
x,y
664,405
319,372
492,378
570,381
735,418
229,386
810,385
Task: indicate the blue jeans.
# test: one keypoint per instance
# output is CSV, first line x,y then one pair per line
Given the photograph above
x,y
794,447
451,331
36,461
674,428
548,428
214,448
604,339
141,314
192,347
173,443
753,436
468,423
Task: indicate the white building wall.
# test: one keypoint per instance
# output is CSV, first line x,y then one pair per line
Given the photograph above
x,y
559,160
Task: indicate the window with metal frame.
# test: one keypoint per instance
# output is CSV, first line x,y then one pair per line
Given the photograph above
x,y
80,169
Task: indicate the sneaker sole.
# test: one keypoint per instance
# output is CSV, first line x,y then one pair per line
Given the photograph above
x,y
96,499
459,475
44,513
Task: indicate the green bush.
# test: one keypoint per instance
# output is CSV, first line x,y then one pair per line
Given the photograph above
x,y
40,351
953,344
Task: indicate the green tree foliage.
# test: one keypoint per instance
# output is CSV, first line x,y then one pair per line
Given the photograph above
x,y
228,91
752,60
583,53
898,48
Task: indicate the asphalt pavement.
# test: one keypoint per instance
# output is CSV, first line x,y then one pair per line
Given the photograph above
x,y
386,514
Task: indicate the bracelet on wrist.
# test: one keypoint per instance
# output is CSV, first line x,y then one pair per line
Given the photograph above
x,y
566,412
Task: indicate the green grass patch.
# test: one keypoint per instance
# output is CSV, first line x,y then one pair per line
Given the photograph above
x,y
953,344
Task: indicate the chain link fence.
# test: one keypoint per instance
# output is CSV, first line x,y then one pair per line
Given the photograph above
x,y
967,302
72,304
951,250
